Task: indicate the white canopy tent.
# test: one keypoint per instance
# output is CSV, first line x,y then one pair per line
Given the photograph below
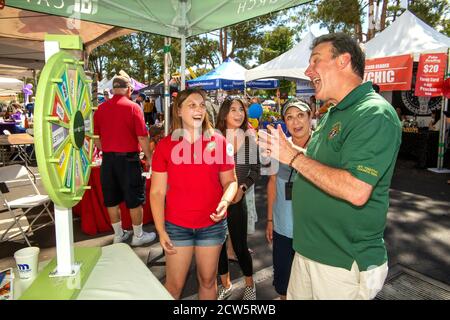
x,y
290,65
410,35
10,86
407,35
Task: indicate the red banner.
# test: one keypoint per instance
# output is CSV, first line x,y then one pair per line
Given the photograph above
x,y
390,73
430,75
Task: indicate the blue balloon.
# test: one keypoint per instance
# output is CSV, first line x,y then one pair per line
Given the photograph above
x,y
255,111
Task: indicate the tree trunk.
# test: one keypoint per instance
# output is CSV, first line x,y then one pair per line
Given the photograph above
x,y
221,42
358,31
395,12
371,31
225,44
383,15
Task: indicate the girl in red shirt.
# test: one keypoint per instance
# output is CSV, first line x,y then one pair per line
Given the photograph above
x,y
193,182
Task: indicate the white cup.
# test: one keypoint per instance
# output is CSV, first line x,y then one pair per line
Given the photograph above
x,y
27,262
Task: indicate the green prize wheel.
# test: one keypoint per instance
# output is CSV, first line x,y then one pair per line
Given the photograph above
x,y
63,129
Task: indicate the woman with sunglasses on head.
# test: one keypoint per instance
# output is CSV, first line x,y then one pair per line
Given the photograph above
x,y
232,121
279,231
193,183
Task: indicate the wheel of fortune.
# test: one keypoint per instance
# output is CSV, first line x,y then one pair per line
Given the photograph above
x,y
63,129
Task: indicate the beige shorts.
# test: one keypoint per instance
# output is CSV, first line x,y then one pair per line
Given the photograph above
x,y
311,280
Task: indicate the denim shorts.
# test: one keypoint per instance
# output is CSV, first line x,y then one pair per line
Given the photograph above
x,y
201,237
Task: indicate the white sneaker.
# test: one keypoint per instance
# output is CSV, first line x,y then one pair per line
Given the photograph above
x,y
146,237
224,293
126,234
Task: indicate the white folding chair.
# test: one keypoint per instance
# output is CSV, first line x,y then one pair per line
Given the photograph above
x,y
27,203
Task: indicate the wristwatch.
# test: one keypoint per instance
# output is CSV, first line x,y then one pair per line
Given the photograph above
x,y
243,187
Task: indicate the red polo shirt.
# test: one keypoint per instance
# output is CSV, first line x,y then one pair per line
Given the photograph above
x,y
119,122
193,184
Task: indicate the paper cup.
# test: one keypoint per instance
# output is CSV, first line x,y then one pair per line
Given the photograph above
x,y
27,262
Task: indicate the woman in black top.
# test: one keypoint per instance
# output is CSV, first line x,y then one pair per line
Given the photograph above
x,y
232,121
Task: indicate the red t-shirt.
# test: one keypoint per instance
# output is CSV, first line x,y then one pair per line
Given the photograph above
x,y
193,184
119,122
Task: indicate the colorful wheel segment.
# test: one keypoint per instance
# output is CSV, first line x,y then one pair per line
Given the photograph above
x,y
63,129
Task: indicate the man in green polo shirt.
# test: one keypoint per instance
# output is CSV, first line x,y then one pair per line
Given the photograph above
x,y
341,194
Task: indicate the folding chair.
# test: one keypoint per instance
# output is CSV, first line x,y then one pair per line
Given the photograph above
x,y
9,174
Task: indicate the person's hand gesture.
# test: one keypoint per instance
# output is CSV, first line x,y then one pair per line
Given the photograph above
x,y
221,210
166,244
275,144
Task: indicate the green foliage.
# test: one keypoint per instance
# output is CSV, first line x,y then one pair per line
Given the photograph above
x,y
202,51
138,54
300,18
349,15
141,54
446,27
339,15
246,37
434,12
268,114
275,43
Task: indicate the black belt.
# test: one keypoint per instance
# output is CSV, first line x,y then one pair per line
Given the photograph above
x,y
121,153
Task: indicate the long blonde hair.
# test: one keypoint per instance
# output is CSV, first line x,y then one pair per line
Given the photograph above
x,y
177,122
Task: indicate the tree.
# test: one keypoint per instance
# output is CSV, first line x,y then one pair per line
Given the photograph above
x,y
349,15
242,41
300,18
141,54
340,15
138,54
436,13
275,43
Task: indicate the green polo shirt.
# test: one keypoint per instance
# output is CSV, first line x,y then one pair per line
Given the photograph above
x,y
362,135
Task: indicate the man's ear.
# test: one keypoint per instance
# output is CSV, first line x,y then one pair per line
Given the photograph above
x,y
344,60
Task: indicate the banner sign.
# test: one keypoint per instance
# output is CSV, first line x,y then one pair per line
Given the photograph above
x,y
430,75
304,88
390,73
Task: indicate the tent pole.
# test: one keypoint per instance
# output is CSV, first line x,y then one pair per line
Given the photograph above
x,y
183,62
167,42
185,26
442,129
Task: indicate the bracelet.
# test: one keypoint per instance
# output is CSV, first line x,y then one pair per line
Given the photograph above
x,y
293,158
269,220
227,201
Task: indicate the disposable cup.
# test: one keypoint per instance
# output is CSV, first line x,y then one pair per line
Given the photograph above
x,y
27,262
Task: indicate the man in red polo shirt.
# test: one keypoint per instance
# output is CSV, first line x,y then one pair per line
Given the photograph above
x,y
121,128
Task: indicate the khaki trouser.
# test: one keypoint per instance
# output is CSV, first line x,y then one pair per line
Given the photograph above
x,y
312,280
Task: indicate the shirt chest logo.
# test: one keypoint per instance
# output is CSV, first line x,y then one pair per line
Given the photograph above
x,y
211,146
230,149
334,130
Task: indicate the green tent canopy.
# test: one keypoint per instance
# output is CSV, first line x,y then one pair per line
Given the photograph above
x,y
175,18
